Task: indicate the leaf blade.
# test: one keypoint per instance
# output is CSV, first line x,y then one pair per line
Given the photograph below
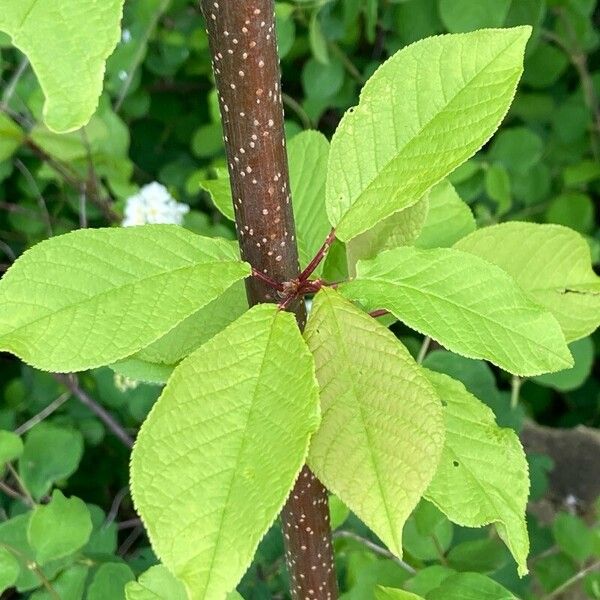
x,y
94,296
363,418
217,440
446,294
382,156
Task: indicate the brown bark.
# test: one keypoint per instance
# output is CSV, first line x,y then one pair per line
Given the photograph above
x,y
246,67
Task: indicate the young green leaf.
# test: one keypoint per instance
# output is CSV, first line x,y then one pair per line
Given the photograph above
x,y
401,229
60,528
9,569
307,154
11,447
219,190
423,113
374,398
386,593
482,477
551,263
157,583
470,586
466,304
109,582
69,584
94,296
448,219
218,454
50,453
71,80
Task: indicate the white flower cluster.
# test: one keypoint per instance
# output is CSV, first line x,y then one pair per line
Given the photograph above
x,y
153,204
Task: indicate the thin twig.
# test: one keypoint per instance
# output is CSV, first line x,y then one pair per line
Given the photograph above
x,y
46,412
130,540
572,581
129,524
300,112
318,258
4,487
116,503
374,548
40,198
27,496
8,251
424,349
113,425
11,86
515,391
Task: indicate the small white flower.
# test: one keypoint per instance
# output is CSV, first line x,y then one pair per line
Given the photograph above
x,y
124,384
153,204
126,36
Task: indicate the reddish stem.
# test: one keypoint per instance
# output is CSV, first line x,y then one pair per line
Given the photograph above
x,y
318,258
381,312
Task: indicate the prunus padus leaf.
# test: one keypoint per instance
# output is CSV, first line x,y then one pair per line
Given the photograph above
x,y
465,15
553,266
219,190
448,219
50,453
307,155
220,450
483,474
67,43
424,112
400,229
386,593
157,583
465,303
374,399
94,296
470,586
196,329
59,528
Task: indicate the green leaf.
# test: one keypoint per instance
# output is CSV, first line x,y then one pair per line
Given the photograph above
x,y
308,153
318,42
157,583
470,586
11,136
197,329
428,579
239,413
369,407
219,190
69,585
109,582
573,536
9,569
465,15
466,304
427,532
338,512
518,148
483,474
103,539
405,136
94,296
386,593
572,209
573,378
483,556
551,263
50,453
60,528
401,229
71,80
11,447
497,187
448,219
141,370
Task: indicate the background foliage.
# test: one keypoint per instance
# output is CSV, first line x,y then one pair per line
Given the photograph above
x,y
158,121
